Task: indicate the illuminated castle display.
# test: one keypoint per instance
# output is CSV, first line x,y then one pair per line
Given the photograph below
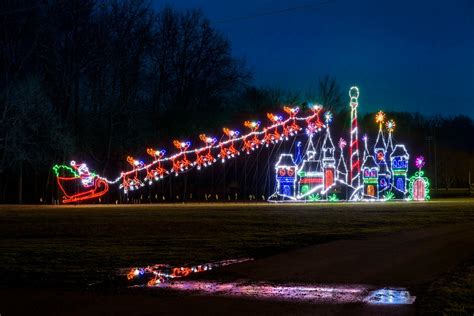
x,y
381,174
319,171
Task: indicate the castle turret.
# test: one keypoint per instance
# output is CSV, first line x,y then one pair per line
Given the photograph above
x,y
390,125
380,149
365,138
370,170
399,160
310,176
341,169
286,175
328,162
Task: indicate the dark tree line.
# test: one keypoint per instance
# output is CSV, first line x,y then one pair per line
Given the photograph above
x,y
103,78
96,80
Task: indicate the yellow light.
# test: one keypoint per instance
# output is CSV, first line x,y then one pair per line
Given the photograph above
x,y
380,118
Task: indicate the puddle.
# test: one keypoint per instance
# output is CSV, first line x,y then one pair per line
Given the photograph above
x,y
164,276
304,293
390,296
342,294
162,273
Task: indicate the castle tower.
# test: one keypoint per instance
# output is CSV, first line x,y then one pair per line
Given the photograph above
x,y
341,171
399,163
286,175
354,171
310,176
365,139
328,162
390,125
380,147
370,170
380,150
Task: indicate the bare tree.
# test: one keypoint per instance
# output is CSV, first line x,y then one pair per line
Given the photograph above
x,y
191,67
328,93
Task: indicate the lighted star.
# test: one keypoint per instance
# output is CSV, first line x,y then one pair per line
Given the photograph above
x,y
317,107
328,117
342,143
380,117
390,125
420,162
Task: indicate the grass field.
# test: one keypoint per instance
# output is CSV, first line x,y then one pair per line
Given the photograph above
x,y
78,245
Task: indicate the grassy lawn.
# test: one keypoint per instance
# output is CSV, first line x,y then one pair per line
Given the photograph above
x,y
76,245
452,294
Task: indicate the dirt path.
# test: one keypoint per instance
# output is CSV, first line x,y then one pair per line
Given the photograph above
x,y
402,259
405,259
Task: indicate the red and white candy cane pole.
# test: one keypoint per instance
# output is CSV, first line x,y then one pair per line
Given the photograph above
x,y
354,172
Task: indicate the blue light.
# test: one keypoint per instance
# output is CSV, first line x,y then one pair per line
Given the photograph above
x,y
286,179
390,296
399,163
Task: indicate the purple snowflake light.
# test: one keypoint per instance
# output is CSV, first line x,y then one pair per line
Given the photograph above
x,y
342,143
420,162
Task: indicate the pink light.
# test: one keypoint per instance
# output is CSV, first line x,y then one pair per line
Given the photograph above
x,y
342,143
163,276
310,293
420,162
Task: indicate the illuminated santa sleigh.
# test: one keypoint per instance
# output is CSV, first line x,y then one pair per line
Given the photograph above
x,y
77,184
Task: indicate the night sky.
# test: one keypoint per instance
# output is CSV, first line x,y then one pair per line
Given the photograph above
x,y
403,55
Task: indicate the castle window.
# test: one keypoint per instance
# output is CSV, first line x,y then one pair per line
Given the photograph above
x,y
371,190
329,178
400,184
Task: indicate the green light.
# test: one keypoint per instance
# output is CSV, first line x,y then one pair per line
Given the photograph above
x,y
333,198
399,172
57,169
389,196
370,181
419,175
304,189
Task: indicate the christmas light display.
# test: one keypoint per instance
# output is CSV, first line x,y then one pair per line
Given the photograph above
x,y
341,170
419,185
252,142
383,172
228,151
70,179
354,171
399,169
158,172
180,162
314,174
390,125
204,156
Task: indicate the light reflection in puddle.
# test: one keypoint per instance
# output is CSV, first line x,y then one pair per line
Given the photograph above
x,y
304,293
390,296
161,273
167,277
